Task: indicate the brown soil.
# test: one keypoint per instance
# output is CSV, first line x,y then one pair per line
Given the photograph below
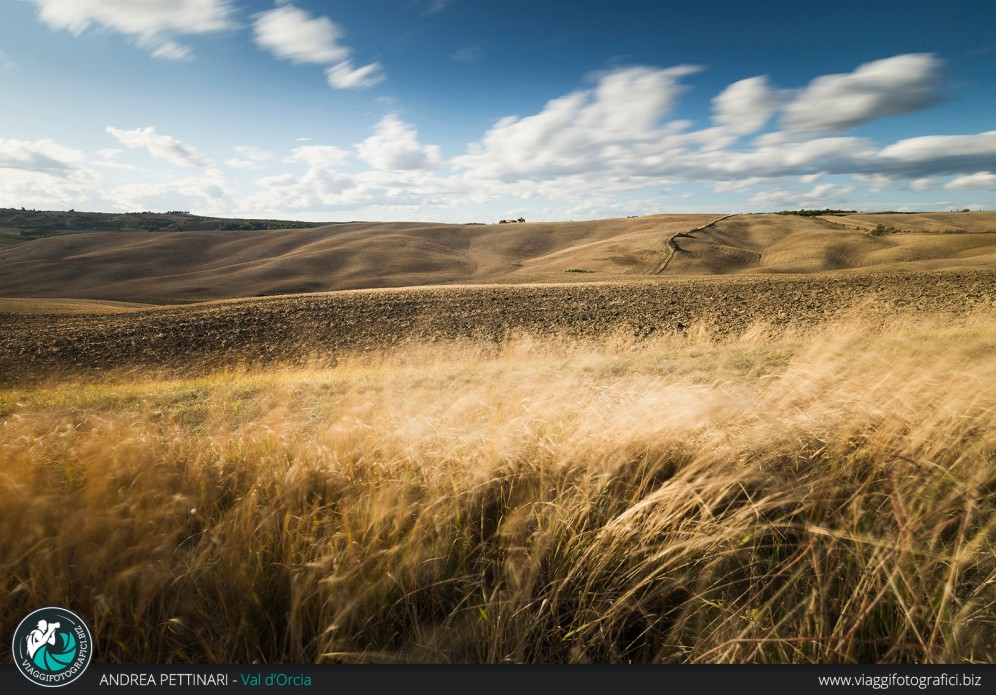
x,y
291,329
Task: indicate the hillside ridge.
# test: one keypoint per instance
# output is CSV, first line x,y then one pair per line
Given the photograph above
x,y
174,267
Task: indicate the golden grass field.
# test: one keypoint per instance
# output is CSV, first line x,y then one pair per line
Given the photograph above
x,y
752,467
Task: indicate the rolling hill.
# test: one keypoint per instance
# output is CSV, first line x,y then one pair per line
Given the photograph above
x,y
166,267
793,244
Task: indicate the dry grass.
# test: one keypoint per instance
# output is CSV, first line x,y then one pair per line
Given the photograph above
x,y
820,498
34,307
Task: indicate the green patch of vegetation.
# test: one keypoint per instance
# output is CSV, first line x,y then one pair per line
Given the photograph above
x,y
33,224
815,213
10,237
882,230
578,270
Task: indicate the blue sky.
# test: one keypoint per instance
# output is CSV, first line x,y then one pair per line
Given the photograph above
x,y
471,110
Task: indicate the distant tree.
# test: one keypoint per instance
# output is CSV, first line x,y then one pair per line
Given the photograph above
x,y
813,213
882,230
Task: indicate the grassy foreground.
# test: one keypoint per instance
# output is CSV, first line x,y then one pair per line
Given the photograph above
x,y
804,498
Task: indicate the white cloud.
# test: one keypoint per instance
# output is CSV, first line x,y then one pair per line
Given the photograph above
x,y
737,186
344,76
581,154
171,50
292,34
745,106
43,156
876,183
940,154
249,157
323,188
236,163
208,190
834,155
151,23
117,165
108,155
606,141
395,146
888,87
980,179
318,187
321,156
256,154
616,132
619,119
633,100
820,196
43,172
933,146
162,146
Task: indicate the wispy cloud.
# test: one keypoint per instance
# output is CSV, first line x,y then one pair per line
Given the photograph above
x,y
209,190
44,156
43,172
151,24
430,7
249,157
888,87
321,156
980,179
162,146
345,76
171,50
939,154
290,33
468,54
822,195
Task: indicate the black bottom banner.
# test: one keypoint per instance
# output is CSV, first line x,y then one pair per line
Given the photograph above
x,y
519,680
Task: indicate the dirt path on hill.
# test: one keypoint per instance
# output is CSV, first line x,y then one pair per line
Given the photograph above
x,y
673,247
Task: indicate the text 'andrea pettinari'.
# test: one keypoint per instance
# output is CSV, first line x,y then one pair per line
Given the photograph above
x,y
164,679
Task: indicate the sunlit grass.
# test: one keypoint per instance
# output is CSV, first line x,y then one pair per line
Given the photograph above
x,y
805,498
